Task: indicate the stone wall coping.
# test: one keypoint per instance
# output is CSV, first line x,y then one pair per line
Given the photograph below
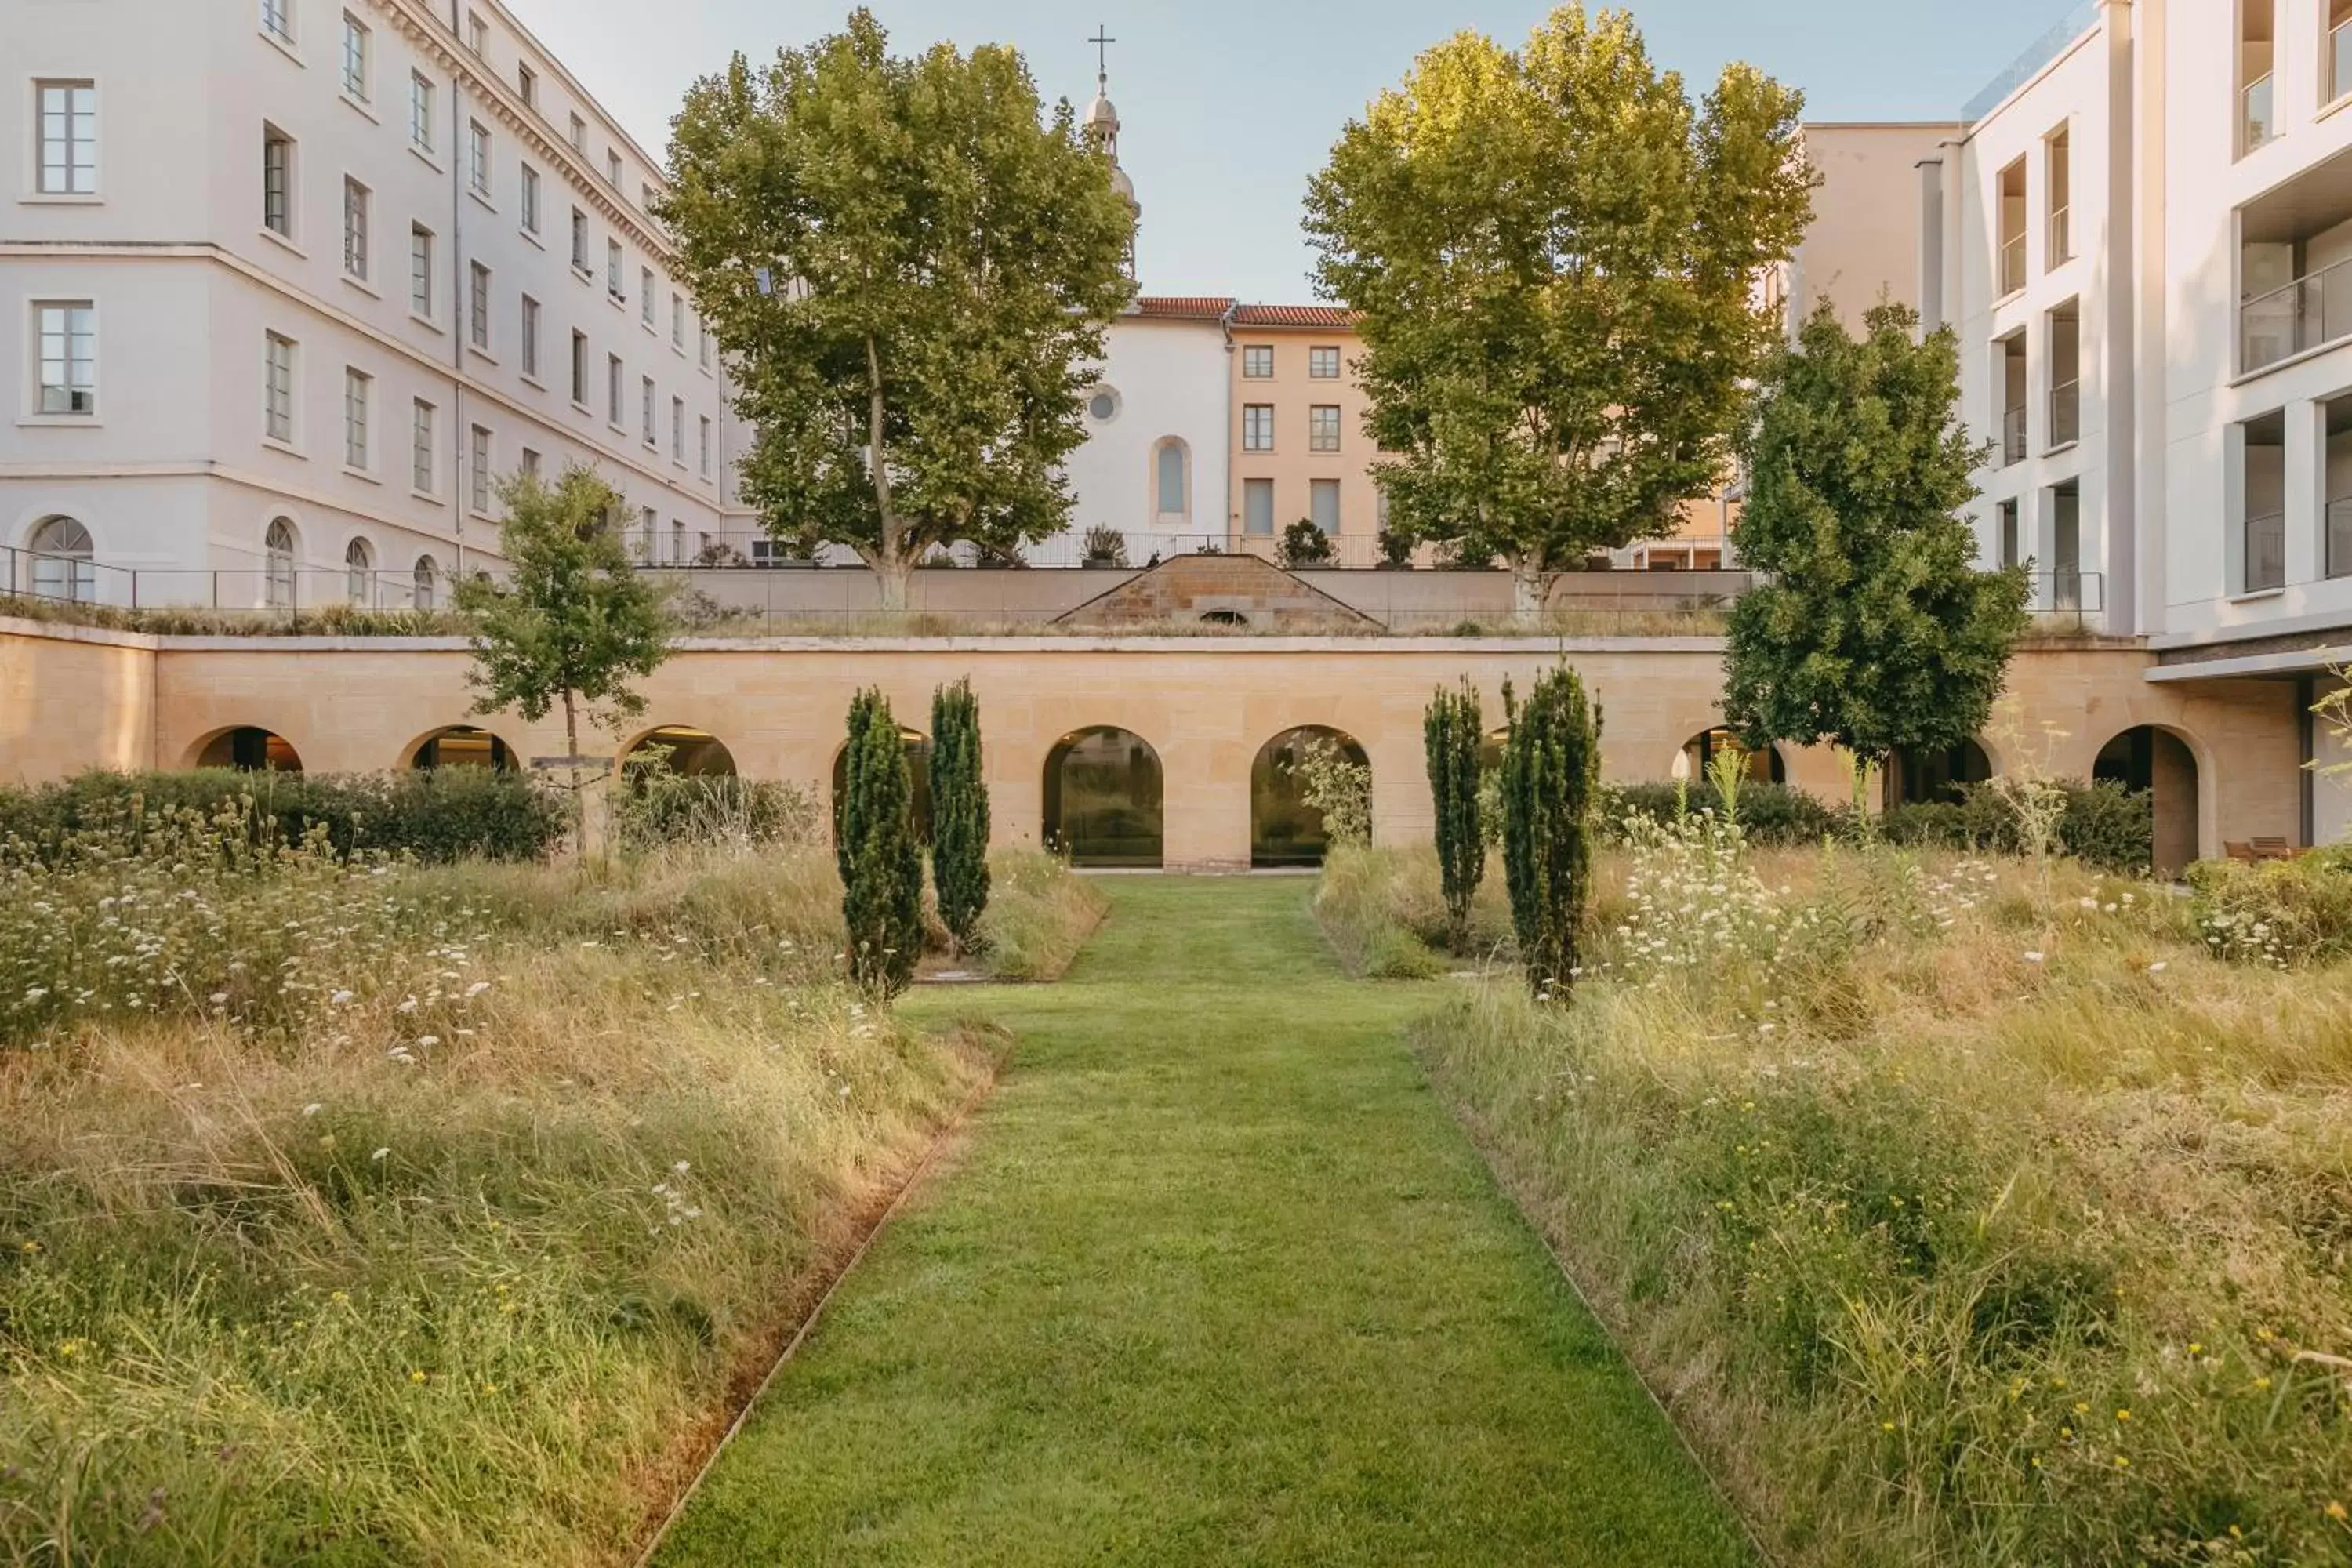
x,y
68,631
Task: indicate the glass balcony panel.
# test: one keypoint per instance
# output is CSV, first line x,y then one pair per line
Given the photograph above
x,y
2256,124
2065,413
2013,436
2339,537
2265,553
2013,264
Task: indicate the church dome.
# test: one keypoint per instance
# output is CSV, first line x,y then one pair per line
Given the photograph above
x,y
1102,116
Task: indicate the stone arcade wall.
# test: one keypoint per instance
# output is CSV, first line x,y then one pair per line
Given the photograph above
x,y
71,698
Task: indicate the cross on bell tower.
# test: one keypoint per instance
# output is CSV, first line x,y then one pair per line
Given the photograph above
x,y
1102,128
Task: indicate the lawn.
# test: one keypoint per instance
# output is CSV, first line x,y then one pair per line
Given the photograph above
x,y
1215,1278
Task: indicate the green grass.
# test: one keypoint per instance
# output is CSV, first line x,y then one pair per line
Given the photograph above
x,y
1215,1279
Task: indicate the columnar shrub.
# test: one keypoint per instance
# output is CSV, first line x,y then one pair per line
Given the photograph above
x,y
882,865
1452,733
958,812
1551,782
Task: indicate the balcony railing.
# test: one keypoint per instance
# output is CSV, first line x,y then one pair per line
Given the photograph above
x,y
2256,124
2065,414
2295,317
2265,553
2339,60
2013,436
2339,536
2061,242
2013,264
2067,598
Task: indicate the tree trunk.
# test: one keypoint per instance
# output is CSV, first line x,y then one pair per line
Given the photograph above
x,y
889,562
571,761
891,570
1530,585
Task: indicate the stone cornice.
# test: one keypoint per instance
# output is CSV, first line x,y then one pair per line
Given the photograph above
x,y
429,33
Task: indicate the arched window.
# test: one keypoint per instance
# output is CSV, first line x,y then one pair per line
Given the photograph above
x,y
691,753
1763,766
359,571
428,584
277,546
1284,829
62,564
1171,491
1104,799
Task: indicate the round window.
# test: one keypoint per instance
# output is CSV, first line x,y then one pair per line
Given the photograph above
x,y
1104,405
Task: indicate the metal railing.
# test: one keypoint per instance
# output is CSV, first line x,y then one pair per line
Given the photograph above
x,y
2067,598
2256,125
2013,436
2295,317
2013,264
2078,19
2065,414
2265,558
1079,550
259,590
2062,243
2339,533
64,579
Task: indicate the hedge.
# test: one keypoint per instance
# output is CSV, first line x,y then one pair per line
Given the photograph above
x,y
435,815
1775,816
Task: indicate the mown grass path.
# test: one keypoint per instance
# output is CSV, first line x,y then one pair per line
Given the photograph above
x,y
1217,1280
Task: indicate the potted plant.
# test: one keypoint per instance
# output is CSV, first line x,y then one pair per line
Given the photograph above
x,y
1303,544
1105,547
1396,550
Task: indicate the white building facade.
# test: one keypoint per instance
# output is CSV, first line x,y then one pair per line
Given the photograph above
x,y
1154,468
291,285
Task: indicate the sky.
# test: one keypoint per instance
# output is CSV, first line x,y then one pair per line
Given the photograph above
x,y
1229,106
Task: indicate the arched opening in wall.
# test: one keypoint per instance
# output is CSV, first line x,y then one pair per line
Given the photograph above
x,y
1285,830
463,746
918,747
2160,764
1223,618
248,749
695,753
1172,481
1105,799
1917,778
1764,766
277,546
64,565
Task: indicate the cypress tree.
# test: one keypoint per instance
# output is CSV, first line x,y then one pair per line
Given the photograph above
x,y
848,821
1552,780
958,812
1451,734
882,883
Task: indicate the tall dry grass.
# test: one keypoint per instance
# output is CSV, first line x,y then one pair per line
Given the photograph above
x,y
1963,1210
453,1251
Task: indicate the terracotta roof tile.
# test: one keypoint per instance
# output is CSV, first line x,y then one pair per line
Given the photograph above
x,y
1292,316
1183,307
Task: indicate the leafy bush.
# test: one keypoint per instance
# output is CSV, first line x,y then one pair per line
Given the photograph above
x,y
1930,825
657,808
2110,827
2279,913
1303,544
437,815
1772,815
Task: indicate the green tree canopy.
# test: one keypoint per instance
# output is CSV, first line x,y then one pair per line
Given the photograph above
x,y
1552,254
941,263
1871,624
574,621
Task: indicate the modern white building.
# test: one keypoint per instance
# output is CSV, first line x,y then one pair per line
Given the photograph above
x,y
291,284
2144,240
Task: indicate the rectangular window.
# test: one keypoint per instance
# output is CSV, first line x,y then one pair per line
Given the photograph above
x,y
1323,427
420,113
1323,496
358,389
1323,364
2008,260
1258,427
477,303
2257,111
278,387
647,413
277,182
579,240
67,329
579,134
529,199
2057,179
277,19
530,337
580,369
1258,361
646,294
612,390
478,479
2007,514
478,33
1257,505
678,429
68,137
356,47
531,464
478,158
677,321
420,270
702,343
355,229
706,446
613,270
527,84
420,448
613,168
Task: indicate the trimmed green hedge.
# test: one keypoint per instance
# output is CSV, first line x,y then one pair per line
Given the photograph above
x,y
437,815
1775,816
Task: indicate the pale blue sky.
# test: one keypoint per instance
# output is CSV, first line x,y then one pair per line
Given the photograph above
x,y
1230,105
